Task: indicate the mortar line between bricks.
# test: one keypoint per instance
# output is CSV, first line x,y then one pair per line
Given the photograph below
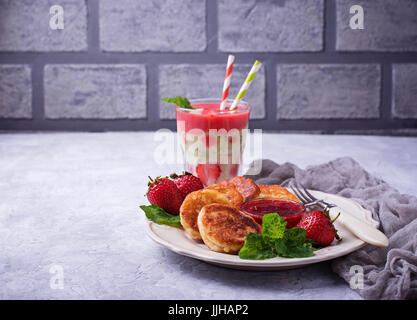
x,y
329,20
38,109
270,91
93,22
207,58
386,91
211,25
152,93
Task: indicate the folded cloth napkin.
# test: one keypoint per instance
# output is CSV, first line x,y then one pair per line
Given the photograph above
x,y
388,273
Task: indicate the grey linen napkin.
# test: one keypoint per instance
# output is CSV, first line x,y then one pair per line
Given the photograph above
x,y
389,273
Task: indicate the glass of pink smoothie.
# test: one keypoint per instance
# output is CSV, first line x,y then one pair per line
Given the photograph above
x,y
212,140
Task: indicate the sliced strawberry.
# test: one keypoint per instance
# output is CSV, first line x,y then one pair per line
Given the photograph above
x,y
234,168
208,173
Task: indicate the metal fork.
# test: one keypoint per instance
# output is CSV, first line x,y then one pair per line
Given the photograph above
x,y
362,230
307,198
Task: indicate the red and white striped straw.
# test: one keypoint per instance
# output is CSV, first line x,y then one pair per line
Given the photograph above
x,y
227,80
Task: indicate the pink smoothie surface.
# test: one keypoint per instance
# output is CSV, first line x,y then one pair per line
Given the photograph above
x,y
212,117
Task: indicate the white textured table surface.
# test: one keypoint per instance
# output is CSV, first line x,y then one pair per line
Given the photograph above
x,y
71,199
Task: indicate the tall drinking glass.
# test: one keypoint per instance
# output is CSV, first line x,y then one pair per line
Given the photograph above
x,y
212,140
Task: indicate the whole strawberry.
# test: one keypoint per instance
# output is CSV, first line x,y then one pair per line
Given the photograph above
x,y
319,227
164,193
187,183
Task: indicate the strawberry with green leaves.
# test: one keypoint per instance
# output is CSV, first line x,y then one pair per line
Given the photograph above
x,y
319,227
186,183
165,194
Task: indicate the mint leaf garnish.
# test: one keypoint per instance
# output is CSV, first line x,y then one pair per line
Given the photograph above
x,y
181,102
273,226
294,244
256,248
276,240
160,216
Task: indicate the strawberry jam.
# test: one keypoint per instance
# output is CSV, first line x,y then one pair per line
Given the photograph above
x,y
290,210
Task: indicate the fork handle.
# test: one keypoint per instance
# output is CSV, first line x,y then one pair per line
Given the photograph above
x,y
362,230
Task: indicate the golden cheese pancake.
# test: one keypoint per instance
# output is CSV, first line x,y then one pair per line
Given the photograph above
x,y
224,228
276,191
192,205
234,196
246,187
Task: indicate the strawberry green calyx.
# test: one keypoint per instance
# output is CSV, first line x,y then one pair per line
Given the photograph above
x,y
151,180
334,218
184,173
332,221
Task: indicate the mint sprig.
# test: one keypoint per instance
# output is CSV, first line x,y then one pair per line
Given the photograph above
x,y
276,240
181,102
256,247
160,216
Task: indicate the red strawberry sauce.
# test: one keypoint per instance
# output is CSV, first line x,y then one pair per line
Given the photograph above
x,y
290,210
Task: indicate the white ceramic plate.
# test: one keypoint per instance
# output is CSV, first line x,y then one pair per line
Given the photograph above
x,y
178,241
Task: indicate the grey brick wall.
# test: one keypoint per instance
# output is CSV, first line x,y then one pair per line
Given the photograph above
x,y
328,91
405,91
390,26
15,91
24,26
114,60
153,25
81,91
268,26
